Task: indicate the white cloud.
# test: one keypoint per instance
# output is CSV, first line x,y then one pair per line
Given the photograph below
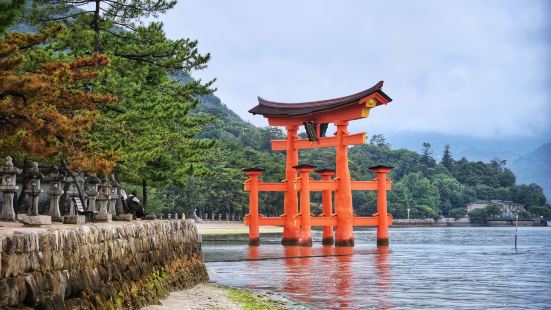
x,y
478,68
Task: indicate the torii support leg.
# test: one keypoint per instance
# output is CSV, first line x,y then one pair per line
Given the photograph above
x,y
254,231
327,207
305,225
344,235
291,232
382,213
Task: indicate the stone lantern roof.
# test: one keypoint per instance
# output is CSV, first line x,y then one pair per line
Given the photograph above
x,y
34,172
9,168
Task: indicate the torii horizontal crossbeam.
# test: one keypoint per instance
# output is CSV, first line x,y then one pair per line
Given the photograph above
x,y
281,145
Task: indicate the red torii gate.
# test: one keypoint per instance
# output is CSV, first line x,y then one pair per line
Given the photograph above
x,y
315,116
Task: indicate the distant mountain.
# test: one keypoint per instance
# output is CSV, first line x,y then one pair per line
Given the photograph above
x,y
535,167
472,148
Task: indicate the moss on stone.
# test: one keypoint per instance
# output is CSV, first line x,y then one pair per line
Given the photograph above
x,y
250,301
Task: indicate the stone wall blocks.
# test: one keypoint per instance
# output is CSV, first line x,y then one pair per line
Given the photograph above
x,y
74,281
34,261
95,266
58,260
63,277
45,259
45,242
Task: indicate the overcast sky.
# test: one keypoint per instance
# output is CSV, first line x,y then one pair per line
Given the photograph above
x,y
476,68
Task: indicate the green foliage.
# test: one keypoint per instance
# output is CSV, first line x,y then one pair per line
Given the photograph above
x,y
458,213
544,211
447,160
150,129
478,216
9,11
492,210
529,195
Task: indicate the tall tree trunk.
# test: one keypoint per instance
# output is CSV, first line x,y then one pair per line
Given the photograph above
x,y
95,25
144,192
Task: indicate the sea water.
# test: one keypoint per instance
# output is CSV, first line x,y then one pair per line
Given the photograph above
x,y
423,268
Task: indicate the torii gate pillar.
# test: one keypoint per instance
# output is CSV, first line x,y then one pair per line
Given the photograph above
x,y
291,231
327,206
344,235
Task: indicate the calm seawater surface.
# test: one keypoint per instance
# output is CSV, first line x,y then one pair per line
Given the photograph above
x,y
424,268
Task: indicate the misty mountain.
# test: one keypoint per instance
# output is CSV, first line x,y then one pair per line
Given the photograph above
x,y
535,167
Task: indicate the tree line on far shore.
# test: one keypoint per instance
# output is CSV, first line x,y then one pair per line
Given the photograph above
x,y
430,188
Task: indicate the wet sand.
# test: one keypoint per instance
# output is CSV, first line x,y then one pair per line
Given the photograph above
x,y
201,296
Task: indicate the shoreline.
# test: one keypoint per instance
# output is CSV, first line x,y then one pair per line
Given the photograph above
x,y
238,228
215,296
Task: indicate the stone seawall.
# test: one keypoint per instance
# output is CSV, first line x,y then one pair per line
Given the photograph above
x,y
99,267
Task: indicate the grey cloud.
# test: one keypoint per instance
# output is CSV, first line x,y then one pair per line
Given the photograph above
x,y
478,68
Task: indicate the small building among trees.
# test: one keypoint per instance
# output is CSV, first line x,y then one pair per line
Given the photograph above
x,y
507,207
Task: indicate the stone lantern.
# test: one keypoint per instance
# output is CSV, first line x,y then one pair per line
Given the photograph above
x,y
113,197
33,188
8,175
103,199
33,191
56,190
75,205
92,182
118,210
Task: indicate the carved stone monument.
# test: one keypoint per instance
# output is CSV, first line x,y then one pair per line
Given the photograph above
x,y
8,174
56,190
33,191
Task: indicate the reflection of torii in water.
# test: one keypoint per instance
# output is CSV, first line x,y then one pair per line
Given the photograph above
x,y
196,218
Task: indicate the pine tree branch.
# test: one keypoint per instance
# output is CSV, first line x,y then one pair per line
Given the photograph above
x,y
65,17
153,9
143,59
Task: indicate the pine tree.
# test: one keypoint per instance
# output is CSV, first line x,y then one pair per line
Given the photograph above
x,y
43,112
150,126
447,160
426,155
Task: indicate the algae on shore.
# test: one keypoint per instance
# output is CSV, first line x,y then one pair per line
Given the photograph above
x,y
250,301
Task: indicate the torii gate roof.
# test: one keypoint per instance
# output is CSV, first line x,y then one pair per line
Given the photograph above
x,y
270,108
